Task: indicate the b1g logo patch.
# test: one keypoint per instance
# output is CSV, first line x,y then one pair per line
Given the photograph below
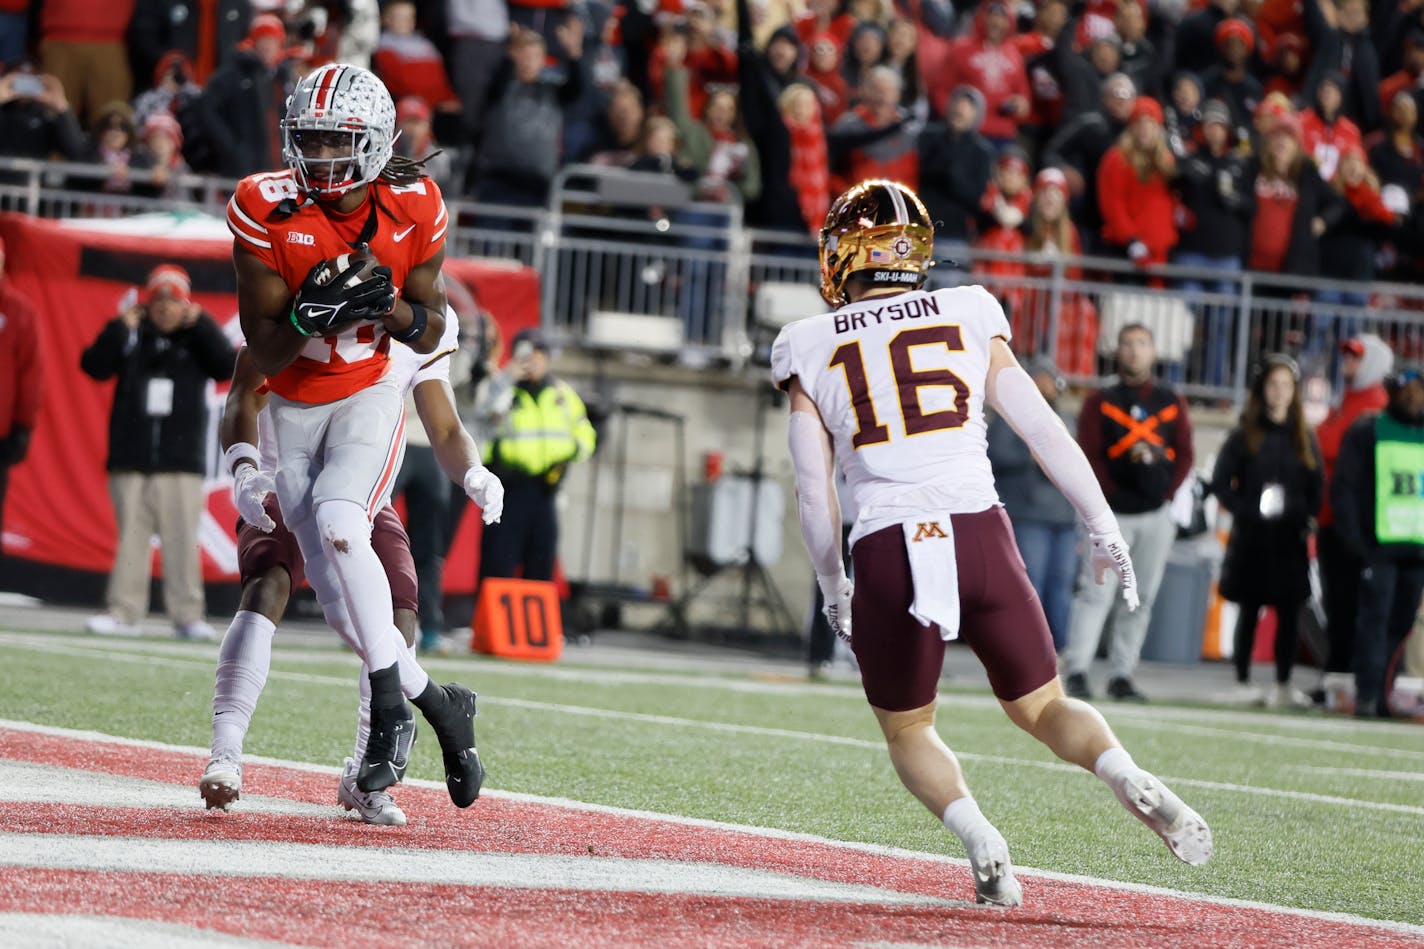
x,y
902,247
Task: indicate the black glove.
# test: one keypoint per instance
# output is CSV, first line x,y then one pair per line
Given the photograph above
x,y
323,309
14,448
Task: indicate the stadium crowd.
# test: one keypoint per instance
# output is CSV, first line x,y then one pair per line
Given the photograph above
x,y
1269,134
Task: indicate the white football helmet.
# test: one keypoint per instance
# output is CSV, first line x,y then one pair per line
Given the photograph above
x,y
339,129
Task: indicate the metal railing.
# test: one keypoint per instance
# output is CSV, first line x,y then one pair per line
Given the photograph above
x,y
640,244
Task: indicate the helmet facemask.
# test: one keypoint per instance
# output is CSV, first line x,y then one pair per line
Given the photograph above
x,y
880,231
339,130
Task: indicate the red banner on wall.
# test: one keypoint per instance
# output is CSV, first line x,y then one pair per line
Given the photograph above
x,y
57,510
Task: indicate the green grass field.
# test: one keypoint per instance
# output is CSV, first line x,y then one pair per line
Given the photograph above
x,y
1307,811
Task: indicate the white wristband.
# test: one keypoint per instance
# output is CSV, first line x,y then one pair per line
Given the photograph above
x,y
242,451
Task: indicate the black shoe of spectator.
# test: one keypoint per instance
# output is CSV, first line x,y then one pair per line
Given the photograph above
x,y
1076,685
1122,689
1317,697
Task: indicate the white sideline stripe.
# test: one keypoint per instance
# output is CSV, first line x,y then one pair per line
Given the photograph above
x,y
763,731
1363,773
267,859
115,932
26,782
599,675
767,833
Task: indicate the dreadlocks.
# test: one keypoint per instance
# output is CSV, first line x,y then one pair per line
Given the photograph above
x,y
404,171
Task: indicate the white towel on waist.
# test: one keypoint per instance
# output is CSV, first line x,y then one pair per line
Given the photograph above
x,y
935,573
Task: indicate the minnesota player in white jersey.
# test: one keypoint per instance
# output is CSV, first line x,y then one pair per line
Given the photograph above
x,y
270,563
892,385
320,330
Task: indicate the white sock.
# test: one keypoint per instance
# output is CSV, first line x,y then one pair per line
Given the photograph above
x,y
244,659
413,678
963,819
363,712
1113,765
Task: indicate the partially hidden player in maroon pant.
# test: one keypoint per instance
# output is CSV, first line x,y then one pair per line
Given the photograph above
x,y
891,385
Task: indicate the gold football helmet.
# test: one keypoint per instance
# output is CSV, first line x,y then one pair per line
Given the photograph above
x,y
880,230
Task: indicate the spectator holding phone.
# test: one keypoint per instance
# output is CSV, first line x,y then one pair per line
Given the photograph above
x,y
35,119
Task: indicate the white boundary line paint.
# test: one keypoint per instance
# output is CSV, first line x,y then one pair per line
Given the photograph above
x,y
296,861
767,833
116,932
1364,773
731,681
763,731
177,656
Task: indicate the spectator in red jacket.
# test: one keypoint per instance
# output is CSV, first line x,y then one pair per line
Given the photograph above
x,y
21,365
1410,78
1294,205
408,63
1002,212
1365,361
823,69
82,43
1051,234
1326,132
1134,189
1347,252
987,60
808,162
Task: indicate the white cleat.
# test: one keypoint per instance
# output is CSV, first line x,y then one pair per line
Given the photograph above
x,y
373,807
994,880
221,783
1153,803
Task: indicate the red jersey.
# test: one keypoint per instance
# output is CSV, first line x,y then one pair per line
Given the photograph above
x,y
410,229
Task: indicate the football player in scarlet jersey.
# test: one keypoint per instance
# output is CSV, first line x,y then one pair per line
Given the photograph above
x,y
270,563
320,330
892,385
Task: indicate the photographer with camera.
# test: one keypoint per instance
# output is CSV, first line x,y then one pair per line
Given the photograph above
x,y
538,426
163,348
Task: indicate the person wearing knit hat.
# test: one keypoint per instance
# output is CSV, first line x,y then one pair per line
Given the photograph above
x,y
240,109
1365,362
1325,130
1134,195
164,350
1294,205
1229,79
955,166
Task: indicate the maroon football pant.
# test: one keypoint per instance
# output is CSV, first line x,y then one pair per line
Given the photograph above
x,y
1001,618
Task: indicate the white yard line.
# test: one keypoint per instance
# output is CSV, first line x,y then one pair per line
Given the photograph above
x,y
1391,926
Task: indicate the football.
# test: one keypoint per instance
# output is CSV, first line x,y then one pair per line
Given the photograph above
x,y
364,261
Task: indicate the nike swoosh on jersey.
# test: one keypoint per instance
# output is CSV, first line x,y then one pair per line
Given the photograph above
x,y
401,235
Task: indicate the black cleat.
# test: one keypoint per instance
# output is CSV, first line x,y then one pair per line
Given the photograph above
x,y
1076,685
388,747
453,721
1122,689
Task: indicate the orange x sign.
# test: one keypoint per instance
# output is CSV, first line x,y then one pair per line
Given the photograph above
x,y
1143,431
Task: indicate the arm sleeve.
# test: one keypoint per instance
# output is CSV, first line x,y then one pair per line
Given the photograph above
x,y
817,506
585,439
1017,399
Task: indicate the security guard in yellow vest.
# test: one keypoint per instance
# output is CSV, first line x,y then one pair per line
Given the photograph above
x,y
539,428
